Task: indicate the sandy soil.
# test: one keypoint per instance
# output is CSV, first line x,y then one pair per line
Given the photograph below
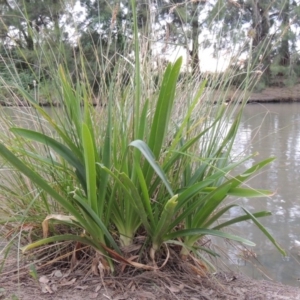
x,y
149,286
177,280
274,94
277,94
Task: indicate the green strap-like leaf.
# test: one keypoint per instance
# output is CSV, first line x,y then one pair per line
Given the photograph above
x,y
248,173
51,122
90,167
212,201
162,113
131,192
58,147
38,180
92,214
264,230
202,231
143,147
63,238
236,220
249,193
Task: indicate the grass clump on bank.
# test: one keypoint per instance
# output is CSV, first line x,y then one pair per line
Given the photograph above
x,y
151,170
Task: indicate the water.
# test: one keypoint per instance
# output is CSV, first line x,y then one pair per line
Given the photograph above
x,y
273,130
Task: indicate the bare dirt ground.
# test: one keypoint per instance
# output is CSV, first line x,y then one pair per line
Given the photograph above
x,y
177,280
277,94
149,285
273,94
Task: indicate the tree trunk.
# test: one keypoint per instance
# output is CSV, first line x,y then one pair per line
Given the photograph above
x,y
260,21
284,47
195,40
145,24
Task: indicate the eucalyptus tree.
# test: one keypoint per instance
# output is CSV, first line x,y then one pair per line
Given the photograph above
x,y
26,22
272,26
29,27
183,22
285,54
104,38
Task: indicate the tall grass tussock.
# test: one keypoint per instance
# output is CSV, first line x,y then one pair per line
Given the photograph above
x,y
144,175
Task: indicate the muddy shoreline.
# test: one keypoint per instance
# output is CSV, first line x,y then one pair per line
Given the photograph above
x,y
272,94
225,286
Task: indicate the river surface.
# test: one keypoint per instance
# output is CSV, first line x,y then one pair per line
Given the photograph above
x,y
272,130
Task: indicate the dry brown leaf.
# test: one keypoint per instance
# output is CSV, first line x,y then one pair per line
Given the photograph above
x,y
131,248
54,287
93,295
199,269
27,227
147,296
120,258
57,273
67,274
94,267
98,288
74,260
132,258
76,254
43,279
45,223
174,289
130,284
103,267
120,297
110,283
46,289
65,282
81,287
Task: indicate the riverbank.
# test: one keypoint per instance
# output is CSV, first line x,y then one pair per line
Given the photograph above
x,y
273,94
277,94
148,285
181,282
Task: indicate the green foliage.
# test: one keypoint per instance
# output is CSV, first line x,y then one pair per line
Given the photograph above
x,y
36,38
149,163
115,185
260,86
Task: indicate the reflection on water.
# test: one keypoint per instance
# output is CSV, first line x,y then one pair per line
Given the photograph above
x,y
274,130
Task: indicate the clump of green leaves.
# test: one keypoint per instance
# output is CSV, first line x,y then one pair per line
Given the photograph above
x,y
155,184
133,168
